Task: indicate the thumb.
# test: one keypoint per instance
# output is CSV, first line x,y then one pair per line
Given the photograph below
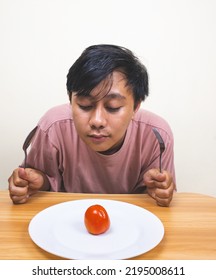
x,y
160,176
32,176
151,175
22,173
26,174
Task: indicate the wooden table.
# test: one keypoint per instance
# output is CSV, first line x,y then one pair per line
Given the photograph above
x,y
190,225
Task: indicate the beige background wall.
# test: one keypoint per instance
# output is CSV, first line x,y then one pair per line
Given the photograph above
x,y
176,40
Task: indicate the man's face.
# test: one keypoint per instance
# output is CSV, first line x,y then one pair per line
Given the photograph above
x,y
102,122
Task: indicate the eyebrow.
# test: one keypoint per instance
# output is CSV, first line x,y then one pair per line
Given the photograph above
x,y
114,95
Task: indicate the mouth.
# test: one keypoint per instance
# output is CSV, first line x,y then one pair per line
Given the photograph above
x,y
98,138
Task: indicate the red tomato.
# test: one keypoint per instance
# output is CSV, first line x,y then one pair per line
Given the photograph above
x,y
96,219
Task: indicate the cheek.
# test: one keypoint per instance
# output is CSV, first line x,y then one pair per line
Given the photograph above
x,y
79,121
124,118
119,125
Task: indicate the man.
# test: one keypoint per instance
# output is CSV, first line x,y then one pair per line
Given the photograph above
x,y
101,142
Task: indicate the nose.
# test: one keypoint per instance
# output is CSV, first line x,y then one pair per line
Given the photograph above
x,y
98,119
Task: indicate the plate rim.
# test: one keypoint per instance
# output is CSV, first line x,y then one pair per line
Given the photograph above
x,y
94,201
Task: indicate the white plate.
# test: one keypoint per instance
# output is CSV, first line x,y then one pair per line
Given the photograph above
x,y
60,230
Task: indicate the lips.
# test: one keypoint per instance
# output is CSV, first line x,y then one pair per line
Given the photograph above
x,y
98,138
97,135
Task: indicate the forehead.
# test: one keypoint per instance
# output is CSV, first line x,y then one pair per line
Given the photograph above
x,y
114,87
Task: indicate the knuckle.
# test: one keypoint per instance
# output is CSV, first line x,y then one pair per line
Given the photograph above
x,y
18,191
19,199
163,202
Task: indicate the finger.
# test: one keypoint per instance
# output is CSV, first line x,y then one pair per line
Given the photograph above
x,y
164,197
18,178
160,177
19,199
153,176
18,191
165,183
161,185
163,193
17,187
15,180
163,202
22,173
34,177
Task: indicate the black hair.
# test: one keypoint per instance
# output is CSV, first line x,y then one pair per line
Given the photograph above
x,y
98,62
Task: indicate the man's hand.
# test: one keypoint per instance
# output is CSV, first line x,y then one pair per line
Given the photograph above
x,y
160,186
23,183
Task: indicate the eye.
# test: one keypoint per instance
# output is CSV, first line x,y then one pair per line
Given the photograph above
x,y
113,110
85,108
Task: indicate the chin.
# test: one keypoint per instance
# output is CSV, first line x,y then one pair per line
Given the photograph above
x,y
101,150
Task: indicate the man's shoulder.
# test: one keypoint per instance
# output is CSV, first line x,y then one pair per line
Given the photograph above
x,y
148,119
55,114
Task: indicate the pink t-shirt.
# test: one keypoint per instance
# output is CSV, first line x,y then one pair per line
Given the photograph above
x,y
72,166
